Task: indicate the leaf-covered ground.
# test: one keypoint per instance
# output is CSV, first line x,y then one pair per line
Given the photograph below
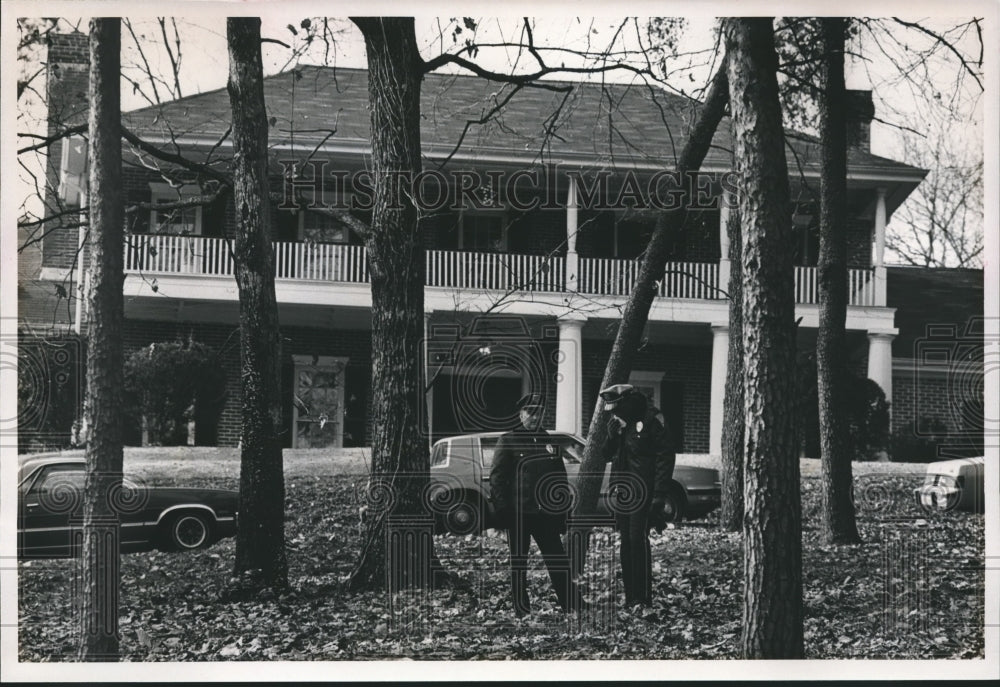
x,y
914,589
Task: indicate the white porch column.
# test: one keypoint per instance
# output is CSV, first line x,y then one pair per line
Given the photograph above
x,y
720,359
429,394
569,374
880,284
572,259
880,360
724,263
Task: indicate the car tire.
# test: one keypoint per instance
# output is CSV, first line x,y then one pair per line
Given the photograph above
x,y
675,505
465,517
187,531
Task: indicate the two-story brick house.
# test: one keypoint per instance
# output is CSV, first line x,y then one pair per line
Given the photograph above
x,y
518,298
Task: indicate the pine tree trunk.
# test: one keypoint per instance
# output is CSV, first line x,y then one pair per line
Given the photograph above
x,y
105,373
635,316
398,539
772,567
731,517
839,526
260,539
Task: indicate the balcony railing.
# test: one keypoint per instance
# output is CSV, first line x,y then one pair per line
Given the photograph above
x,y
196,255
496,271
860,286
614,277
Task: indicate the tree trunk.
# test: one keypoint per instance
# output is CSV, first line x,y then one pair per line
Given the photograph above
x,y
839,526
772,563
731,518
260,539
398,540
105,372
636,314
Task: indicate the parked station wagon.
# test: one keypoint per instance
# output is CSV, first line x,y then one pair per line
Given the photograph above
x,y
460,481
50,507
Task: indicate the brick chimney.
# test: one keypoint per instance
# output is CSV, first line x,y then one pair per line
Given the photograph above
x,y
67,81
66,86
860,112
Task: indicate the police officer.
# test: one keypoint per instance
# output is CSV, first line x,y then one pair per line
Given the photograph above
x,y
642,464
525,483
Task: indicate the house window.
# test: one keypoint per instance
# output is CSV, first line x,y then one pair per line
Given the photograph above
x,y
483,232
319,227
184,221
316,226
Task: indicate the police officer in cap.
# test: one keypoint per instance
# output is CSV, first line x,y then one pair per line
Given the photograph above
x,y
642,458
526,476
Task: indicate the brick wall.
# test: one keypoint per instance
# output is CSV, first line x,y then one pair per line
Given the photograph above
x,y
685,390
859,244
921,396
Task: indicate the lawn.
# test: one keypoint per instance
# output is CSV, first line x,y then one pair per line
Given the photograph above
x,y
913,589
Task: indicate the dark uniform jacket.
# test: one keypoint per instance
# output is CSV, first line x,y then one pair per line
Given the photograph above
x,y
644,449
526,467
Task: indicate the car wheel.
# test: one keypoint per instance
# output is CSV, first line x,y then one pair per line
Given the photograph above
x,y
465,517
188,531
675,505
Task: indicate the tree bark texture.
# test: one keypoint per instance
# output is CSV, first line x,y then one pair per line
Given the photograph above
x,y
636,315
398,548
833,377
260,539
772,568
731,517
101,577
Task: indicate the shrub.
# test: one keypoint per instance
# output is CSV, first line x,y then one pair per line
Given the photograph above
x,y
50,387
867,411
169,384
917,441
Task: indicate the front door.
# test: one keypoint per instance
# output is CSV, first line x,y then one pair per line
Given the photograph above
x,y
318,401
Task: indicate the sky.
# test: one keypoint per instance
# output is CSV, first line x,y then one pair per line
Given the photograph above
x,y
204,60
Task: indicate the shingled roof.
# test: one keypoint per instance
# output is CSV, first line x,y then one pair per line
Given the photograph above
x,y
622,125
932,300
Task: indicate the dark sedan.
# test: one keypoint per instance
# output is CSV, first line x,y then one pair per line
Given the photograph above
x,y
50,507
460,482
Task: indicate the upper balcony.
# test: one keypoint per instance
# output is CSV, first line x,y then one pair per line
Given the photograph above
x,y
202,261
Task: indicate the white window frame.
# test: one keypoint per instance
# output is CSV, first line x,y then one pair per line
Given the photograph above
x,y
344,202
171,194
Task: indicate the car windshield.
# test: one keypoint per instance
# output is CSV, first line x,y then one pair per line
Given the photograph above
x,y
61,478
488,445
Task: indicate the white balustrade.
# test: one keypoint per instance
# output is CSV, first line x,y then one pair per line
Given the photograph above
x,y
495,271
211,256
860,286
614,277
